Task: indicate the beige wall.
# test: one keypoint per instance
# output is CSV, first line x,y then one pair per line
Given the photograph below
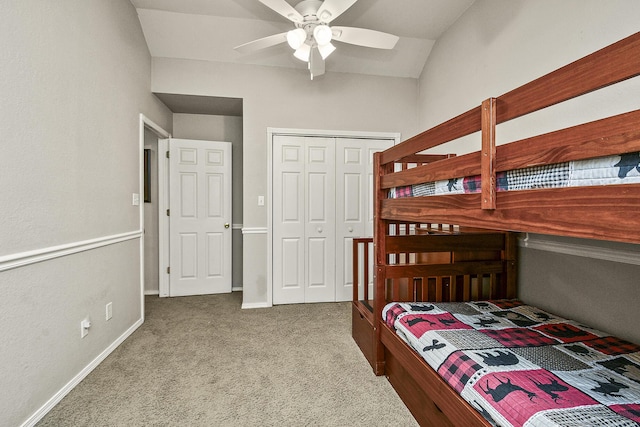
x,y
284,98
498,45
75,77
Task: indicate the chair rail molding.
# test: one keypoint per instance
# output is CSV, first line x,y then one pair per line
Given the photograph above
x,y
569,248
21,259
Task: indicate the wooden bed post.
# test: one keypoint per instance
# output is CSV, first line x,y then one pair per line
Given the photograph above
x,y
511,267
379,233
488,159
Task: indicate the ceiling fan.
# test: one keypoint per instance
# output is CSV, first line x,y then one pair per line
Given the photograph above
x,y
312,37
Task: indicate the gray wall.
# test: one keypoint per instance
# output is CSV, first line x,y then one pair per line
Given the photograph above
x,y
498,45
229,129
600,293
75,77
284,98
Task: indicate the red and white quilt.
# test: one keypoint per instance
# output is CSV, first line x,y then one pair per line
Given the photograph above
x,y
521,366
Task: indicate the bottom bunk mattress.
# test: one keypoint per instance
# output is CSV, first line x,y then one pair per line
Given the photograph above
x,y
519,365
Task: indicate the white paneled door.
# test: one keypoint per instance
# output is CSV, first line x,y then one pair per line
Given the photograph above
x,y
354,205
200,217
322,199
304,219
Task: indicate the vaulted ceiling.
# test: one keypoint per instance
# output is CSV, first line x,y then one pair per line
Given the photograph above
x,y
210,29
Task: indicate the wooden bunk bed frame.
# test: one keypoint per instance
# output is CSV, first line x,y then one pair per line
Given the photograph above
x,y
412,235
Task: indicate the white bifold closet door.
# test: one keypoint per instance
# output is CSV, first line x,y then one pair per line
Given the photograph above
x,y
354,206
322,199
304,219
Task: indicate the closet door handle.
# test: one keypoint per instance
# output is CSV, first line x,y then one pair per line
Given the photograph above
x,y
350,229
226,225
319,229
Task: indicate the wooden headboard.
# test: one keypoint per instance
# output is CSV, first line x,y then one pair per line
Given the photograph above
x,y
598,212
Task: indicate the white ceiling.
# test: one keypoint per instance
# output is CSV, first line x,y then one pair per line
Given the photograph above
x,y
210,29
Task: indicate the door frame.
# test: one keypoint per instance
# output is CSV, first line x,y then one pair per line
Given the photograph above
x,y
271,132
147,123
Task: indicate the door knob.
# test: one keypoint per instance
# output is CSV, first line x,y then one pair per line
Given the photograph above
x,y
350,229
319,229
226,225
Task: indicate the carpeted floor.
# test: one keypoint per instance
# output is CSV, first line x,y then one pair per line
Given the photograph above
x,y
202,361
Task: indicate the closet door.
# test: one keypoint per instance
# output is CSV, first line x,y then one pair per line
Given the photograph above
x,y
354,202
303,219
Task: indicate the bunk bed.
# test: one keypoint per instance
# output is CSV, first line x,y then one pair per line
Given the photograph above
x,y
445,245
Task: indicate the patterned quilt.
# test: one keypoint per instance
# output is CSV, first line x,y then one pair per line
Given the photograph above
x,y
609,170
521,366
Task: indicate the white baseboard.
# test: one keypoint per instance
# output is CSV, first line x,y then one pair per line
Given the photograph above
x,y
152,292
236,289
256,305
40,413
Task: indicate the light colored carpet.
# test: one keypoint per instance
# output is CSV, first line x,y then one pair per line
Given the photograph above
x,y
202,361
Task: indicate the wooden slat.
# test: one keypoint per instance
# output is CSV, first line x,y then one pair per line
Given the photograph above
x,y
493,286
602,212
466,291
365,271
475,294
457,269
510,277
488,157
604,137
457,127
424,158
438,288
455,167
488,241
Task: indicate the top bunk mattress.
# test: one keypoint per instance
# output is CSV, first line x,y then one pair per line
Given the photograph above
x,y
607,170
519,365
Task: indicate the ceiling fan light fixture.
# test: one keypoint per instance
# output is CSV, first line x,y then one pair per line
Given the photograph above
x,y
303,52
322,34
326,50
296,38
325,15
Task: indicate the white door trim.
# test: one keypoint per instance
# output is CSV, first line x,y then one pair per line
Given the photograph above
x,y
302,132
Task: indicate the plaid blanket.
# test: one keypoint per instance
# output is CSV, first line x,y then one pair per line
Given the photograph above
x,y
519,365
620,169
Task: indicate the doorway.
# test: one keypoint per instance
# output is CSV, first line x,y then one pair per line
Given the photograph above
x,y
149,135
198,217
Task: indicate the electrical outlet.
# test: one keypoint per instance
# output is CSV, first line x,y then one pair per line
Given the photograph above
x,y
135,199
84,327
109,311
260,200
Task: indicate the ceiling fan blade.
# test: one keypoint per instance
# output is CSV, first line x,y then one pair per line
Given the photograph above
x,y
316,64
284,9
262,43
331,9
364,37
